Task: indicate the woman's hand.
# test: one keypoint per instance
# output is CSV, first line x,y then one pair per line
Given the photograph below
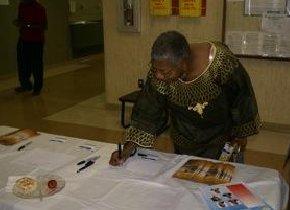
x,y
128,150
116,160
241,142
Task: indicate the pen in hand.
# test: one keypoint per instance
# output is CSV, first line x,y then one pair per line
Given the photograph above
x,y
120,150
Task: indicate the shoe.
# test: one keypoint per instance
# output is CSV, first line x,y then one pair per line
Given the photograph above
x,y
36,93
21,89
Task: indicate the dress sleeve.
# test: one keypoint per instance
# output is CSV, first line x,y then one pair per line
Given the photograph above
x,y
149,116
244,110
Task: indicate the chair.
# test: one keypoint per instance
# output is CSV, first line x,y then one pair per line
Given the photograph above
x,y
128,98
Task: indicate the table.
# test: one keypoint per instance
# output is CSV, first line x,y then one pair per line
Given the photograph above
x,y
139,184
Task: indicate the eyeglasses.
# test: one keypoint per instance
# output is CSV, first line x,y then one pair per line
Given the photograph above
x,y
167,74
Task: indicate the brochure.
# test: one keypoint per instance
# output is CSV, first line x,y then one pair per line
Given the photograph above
x,y
205,171
232,196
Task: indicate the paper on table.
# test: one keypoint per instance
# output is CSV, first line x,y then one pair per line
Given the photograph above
x,y
93,189
145,167
141,195
89,147
58,202
271,196
44,159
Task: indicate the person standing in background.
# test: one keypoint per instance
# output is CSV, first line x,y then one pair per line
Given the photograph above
x,y
32,22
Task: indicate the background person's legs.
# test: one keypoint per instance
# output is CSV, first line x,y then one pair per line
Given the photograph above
x,y
24,71
37,66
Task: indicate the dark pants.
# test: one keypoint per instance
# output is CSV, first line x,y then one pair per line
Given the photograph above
x,y
30,61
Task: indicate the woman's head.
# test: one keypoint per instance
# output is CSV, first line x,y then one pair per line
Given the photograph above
x,y
170,52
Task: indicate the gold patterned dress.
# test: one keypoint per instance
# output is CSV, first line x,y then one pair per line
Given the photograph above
x,y
203,114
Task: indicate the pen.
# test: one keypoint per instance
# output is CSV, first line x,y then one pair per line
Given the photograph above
x,y
94,158
142,155
148,158
85,147
120,150
146,155
24,145
57,140
89,163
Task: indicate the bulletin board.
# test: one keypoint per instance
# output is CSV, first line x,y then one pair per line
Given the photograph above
x,y
257,28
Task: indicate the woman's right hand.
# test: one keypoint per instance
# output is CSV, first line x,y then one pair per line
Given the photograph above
x,y
128,150
116,160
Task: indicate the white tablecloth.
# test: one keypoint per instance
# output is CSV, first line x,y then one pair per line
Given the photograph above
x,y
140,184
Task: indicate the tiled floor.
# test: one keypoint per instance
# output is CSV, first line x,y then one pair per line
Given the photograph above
x,y
73,104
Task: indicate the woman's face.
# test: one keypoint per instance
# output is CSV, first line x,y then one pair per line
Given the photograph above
x,y
165,71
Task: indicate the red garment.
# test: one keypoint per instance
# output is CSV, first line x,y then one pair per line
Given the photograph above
x,y
30,14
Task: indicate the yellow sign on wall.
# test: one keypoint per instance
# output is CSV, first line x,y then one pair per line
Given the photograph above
x,y
160,7
191,8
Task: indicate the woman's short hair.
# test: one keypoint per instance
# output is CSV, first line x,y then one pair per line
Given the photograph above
x,y
170,45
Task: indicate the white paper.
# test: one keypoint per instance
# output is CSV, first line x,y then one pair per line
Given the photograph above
x,y
143,196
244,42
44,159
252,43
283,49
4,2
145,167
234,40
270,44
258,7
93,189
259,43
276,23
89,147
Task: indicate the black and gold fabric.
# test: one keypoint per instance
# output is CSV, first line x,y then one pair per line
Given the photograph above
x,y
204,113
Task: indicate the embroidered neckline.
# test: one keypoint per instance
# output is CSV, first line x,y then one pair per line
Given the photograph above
x,y
204,88
211,56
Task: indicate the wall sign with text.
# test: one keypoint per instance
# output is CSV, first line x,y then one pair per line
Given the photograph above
x,y
192,8
183,8
161,7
